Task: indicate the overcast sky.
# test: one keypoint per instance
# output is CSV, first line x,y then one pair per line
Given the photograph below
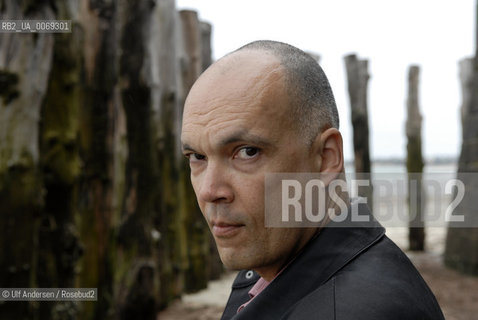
x,y
392,35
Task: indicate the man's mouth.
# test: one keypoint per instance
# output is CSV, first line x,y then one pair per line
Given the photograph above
x,y
226,230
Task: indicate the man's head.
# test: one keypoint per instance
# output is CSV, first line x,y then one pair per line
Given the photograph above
x,y
311,99
266,107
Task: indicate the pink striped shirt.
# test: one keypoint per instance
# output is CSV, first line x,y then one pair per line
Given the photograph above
x,y
260,285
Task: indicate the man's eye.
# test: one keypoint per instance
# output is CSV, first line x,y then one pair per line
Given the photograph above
x,y
247,153
195,157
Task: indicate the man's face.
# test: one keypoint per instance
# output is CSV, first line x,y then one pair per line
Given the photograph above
x,y
236,127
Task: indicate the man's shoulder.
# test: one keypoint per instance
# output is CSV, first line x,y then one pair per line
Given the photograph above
x,y
381,283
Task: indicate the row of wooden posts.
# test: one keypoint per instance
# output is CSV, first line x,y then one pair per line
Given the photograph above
x,y
94,190
461,250
358,76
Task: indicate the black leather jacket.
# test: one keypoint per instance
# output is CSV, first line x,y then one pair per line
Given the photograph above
x,y
353,272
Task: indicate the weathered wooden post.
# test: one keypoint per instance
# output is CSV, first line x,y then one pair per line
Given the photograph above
x,y
102,139
358,76
466,73
461,251
173,252
197,274
138,234
59,238
206,51
191,37
25,62
416,203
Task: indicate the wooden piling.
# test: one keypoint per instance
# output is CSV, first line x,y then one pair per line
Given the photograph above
x,y
357,80
197,274
416,202
461,251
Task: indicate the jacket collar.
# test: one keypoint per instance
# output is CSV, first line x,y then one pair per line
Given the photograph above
x,y
336,245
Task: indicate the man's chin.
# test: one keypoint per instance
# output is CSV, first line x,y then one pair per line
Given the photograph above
x,y
231,264
232,261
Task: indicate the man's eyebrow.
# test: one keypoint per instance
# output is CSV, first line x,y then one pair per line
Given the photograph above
x,y
240,136
246,137
186,147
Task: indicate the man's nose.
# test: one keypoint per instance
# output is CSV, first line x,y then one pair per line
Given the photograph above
x,y
214,185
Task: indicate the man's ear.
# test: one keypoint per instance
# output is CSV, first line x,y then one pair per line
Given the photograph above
x,y
331,154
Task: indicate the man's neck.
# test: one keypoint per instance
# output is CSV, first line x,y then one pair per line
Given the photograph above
x,y
270,272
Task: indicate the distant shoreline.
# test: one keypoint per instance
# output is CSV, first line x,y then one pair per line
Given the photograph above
x,y
401,161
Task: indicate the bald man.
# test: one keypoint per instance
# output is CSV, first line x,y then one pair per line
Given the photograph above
x,y
268,108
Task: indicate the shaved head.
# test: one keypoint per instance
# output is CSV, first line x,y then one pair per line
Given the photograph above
x,y
311,99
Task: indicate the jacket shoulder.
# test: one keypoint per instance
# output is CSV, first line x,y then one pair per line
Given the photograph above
x,y
381,283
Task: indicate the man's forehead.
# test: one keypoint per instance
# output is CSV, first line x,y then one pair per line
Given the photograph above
x,y
235,74
245,90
